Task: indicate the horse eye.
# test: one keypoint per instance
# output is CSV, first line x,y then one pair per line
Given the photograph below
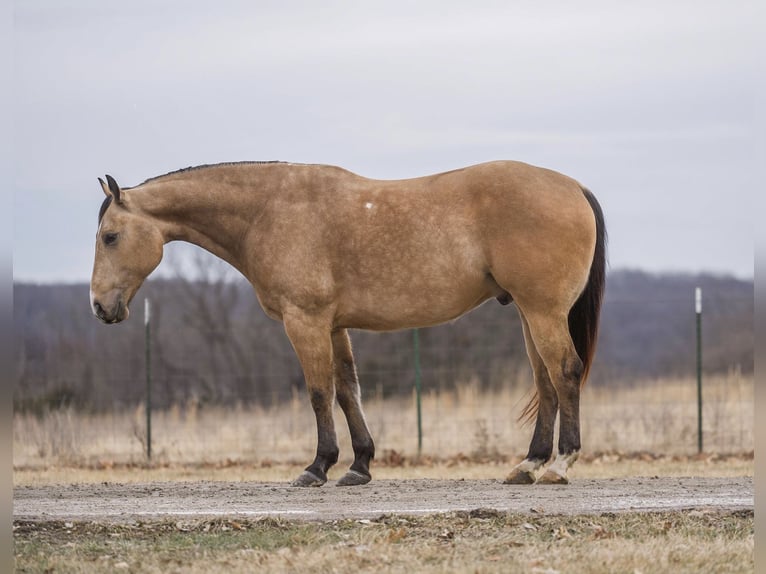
x,y
110,238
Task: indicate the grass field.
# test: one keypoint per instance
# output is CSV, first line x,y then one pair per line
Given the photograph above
x,y
657,417
648,430
479,541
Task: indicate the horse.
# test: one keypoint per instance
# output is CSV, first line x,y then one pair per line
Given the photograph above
x,y
327,250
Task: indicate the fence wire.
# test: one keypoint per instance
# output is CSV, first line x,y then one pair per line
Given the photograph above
x,y
227,385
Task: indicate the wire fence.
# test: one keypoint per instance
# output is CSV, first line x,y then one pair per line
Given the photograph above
x,y
239,394
657,417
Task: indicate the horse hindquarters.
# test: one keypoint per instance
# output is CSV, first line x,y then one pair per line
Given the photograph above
x,y
561,338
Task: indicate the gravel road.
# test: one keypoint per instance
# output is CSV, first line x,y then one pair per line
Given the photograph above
x,y
110,502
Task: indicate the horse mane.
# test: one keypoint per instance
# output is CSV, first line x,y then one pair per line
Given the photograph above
x,y
108,200
208,165
104,207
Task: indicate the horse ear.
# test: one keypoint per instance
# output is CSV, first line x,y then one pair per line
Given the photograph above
x,y
114,189
104,187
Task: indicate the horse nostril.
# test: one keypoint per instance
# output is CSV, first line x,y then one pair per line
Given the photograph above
x,y
98,309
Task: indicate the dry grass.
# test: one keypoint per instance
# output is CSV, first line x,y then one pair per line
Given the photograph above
x,y
605,465
647,430
458,427
477,541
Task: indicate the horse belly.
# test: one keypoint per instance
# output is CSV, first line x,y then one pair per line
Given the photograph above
x,y
413,301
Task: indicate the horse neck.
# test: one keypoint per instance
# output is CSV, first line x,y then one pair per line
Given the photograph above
x,y
216,218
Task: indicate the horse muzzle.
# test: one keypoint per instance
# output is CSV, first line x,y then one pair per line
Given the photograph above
x,y
109,310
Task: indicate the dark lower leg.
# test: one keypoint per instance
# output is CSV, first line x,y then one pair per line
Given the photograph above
x,y
349,399
361,441
327,445
569,423
541,446
568,387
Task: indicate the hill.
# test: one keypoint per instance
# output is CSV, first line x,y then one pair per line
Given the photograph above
x,y
213,343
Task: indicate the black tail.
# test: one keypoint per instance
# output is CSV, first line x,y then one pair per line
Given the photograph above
x,y
584,314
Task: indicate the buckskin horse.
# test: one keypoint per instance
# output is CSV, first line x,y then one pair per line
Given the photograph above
x,y
327,250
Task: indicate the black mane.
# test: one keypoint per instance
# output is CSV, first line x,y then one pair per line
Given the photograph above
x,y
196,167
104,207
108,201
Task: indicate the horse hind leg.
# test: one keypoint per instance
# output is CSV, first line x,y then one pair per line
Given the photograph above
x,y
311,340
350,401
541,446
550,333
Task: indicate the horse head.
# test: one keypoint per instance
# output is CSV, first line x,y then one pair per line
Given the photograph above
x,y
129,247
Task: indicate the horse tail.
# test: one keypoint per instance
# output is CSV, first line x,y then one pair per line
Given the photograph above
x,y
584,314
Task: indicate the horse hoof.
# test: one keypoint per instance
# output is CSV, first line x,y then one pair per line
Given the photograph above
x,y
520,477
308,479
354,478
551,477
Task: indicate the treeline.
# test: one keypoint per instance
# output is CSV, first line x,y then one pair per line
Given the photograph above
x,y
211,343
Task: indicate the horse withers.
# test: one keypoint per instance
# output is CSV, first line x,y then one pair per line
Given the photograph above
x,y
327,250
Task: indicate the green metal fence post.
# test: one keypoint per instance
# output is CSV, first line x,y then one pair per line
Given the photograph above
x,y
416,345
698,312
147,324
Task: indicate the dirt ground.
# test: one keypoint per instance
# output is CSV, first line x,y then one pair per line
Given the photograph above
x,y
111,502
594,525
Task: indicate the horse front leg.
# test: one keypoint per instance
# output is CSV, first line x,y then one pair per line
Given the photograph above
x,y
350,400
310,337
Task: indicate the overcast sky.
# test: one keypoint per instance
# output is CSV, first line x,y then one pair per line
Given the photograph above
x,y
656,106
